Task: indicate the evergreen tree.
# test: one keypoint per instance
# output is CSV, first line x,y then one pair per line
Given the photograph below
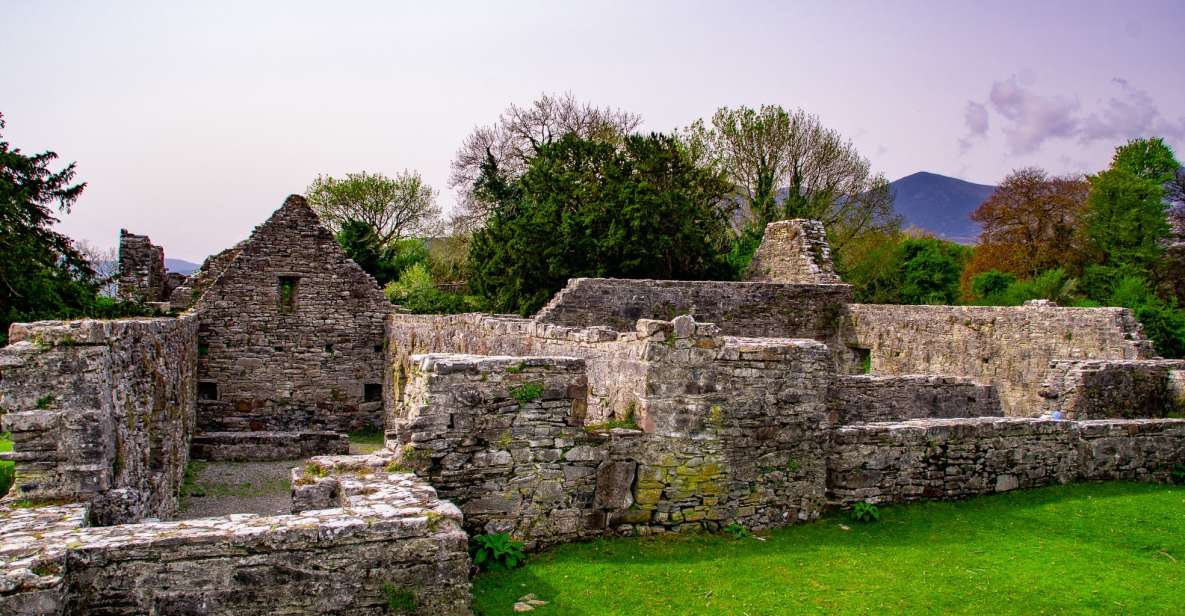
x,y
590,208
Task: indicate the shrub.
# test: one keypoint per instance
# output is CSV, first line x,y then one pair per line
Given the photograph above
x,y
416,292
737,531
496,551
865,511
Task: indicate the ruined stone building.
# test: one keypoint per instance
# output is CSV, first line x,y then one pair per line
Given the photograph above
x,y
624,407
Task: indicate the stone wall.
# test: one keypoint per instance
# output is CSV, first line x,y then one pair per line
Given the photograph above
x,y
615,361
101,412
141,268
194,286
734,431
291,334
869,398
264,446
957,458
738,308
793,252
1009,347
1099,389
393,537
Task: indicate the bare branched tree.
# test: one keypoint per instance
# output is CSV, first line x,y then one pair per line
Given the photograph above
x,y
519,133
105,262
788,165
395,208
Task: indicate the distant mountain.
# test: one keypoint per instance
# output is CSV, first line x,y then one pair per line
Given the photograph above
x,y
939,204
181,266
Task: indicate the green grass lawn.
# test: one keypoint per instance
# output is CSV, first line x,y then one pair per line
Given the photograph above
x,y
1085,548
6,468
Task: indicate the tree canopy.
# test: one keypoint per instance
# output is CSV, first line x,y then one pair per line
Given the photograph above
x,y
766,151
394,208
43,275
1031,223
517,136
588,208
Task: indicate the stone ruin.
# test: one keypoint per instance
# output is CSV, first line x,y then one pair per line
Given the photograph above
x,y
624,407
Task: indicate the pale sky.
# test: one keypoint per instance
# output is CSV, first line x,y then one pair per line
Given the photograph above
x,y
192,121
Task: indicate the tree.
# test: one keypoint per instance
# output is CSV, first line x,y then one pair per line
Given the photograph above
x,y
518,135
385,262
1126,223
42,271
930,270
788,165
395,208
43,275
1031,223
588,208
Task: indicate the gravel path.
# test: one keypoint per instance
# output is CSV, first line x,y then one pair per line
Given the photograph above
x,y
221,488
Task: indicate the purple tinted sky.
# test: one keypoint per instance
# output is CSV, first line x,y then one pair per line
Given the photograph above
x,y
192,122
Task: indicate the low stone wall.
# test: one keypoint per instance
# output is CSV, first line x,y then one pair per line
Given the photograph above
x,y
397,540
1099,389
615,361
101,412
264,446
867,398
957,458
738,308
1009,347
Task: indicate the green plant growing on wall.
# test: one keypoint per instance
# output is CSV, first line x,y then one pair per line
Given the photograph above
x,y
1178,473
517,368
44,402
399,600
496,551
527,392
865,512
792,466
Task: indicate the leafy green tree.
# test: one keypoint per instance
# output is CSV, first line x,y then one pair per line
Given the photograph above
x,y
1126,221
385,262
395,208
43,275
416,292
588,208
930,270
516,138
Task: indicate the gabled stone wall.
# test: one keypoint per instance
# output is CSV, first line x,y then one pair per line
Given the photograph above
x,y
1009,347
101,412
291,334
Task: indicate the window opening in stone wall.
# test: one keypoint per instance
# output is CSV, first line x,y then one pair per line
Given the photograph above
x,y
207,390
863,359
287,294
372,392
